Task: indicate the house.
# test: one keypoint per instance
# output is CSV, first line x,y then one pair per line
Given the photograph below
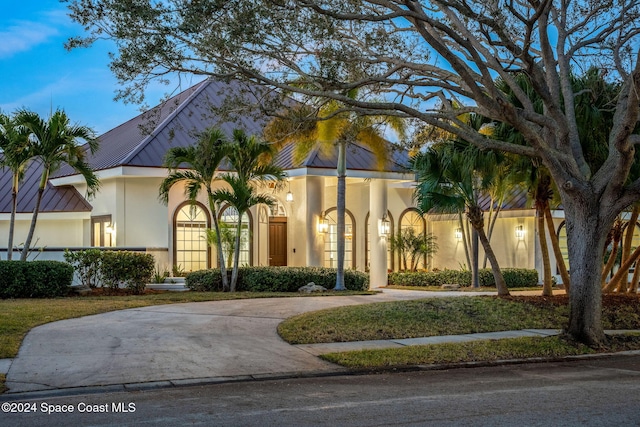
x,y
298,231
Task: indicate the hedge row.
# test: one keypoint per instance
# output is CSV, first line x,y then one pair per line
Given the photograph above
x,y
112,269
34,279
514,277
276,279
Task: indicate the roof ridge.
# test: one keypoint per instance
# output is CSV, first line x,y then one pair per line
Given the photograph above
x,y
167,120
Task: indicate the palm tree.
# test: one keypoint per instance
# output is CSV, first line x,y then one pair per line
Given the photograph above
x,y
16,155
451,178
202,160
252,161
328,127
54,142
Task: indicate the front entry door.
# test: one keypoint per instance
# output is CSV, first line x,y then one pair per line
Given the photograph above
x,y
278,241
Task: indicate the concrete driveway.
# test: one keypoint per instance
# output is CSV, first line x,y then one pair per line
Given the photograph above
x,y
176,344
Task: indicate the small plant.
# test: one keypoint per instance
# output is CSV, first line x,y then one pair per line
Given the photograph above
x,y
178,271
159,275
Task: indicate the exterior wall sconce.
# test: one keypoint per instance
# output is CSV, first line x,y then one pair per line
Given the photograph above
x,y
109,229
289,196
458,234
384,226
520,232
323,224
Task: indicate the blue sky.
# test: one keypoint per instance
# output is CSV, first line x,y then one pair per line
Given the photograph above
x,y
37,73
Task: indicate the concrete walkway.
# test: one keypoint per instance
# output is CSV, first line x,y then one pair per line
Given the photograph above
x,y
189,344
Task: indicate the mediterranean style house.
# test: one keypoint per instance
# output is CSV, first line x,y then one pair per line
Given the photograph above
x,y
300,230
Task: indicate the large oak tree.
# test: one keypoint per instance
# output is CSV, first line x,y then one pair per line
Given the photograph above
x,y
420,58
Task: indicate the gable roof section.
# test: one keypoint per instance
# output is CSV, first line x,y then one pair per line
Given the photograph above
x,y
54,199
144,140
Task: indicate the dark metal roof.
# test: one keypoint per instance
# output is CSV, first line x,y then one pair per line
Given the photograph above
x,y
54,199
145,139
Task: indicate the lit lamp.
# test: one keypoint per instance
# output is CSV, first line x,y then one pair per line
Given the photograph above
x,y
323,224
384,227
108,229
289,193
458,234
520,232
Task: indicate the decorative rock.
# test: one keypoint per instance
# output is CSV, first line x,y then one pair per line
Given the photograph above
x,y
451,286
311,287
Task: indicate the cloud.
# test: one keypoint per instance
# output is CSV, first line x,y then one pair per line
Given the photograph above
x,y
24,35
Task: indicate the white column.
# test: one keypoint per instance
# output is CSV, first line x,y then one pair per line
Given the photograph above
x,y
314,207
377,209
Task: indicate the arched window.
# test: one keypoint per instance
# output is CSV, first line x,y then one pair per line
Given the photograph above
x,y
331,239
367,261
229,216
191,252
412,219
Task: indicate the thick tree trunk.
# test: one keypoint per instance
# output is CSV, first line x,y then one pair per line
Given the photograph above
x,y
547,287
555,244
340,208
586,242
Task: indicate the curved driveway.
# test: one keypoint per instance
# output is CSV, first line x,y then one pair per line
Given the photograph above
x,y
178,343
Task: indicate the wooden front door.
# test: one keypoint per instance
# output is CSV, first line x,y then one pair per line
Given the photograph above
x,y
278,241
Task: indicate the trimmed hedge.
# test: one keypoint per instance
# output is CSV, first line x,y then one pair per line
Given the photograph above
x,y
132,269
34,279
276,279
514,277
110,269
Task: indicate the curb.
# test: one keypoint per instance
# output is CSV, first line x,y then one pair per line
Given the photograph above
x,y
168,384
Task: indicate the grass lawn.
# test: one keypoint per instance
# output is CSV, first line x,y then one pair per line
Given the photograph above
x,y
18,316
475,351
453,316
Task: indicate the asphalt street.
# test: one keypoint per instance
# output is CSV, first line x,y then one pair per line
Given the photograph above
x,y
591,392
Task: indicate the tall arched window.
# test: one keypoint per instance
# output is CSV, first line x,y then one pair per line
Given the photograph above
x,y
229,216
191,252
331,239
390,263
411,218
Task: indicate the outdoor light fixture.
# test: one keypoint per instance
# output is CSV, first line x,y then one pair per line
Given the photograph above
x,y
323,224
384,228
347,233
520,232
458,234
289,193
108,229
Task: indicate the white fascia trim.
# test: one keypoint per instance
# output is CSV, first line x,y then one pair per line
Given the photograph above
x,y
48,216
394,176
119,171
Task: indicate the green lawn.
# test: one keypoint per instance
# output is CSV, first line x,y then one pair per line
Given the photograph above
x,y
454,316
419,318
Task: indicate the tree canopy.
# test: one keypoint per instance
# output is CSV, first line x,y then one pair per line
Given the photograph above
x,y
422,60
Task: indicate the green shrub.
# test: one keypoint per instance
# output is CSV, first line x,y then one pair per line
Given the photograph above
x,y
34,279
276,279
87,265
132,269
514,277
